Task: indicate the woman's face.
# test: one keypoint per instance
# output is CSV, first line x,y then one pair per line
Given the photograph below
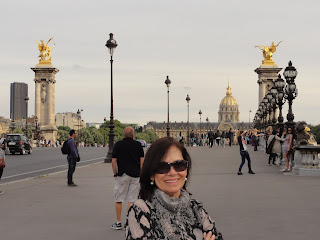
x,y
171,182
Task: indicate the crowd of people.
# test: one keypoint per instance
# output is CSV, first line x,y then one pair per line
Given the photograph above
x,y
210,138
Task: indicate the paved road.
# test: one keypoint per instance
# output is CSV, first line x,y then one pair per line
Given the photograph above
x,y
267,205
44,161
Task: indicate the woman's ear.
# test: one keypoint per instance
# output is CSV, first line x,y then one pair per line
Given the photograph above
x,y
152,178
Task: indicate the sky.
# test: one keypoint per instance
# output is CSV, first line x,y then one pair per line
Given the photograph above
x,y
198,44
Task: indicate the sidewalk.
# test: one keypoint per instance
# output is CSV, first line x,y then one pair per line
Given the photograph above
x,y
267,205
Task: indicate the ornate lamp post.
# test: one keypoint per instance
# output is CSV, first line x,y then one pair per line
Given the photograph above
x,y
249,117
265,111
12,126
279,84
273,92
168,82
291,91
207,119
111,45
200,125
26,99
269,96
104,133
79,117
188,133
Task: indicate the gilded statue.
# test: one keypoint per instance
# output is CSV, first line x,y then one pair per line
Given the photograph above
x,y
45,52
267,52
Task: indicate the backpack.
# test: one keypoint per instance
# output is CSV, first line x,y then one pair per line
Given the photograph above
x,y
65,148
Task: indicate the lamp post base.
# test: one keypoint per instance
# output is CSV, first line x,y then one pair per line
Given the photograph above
x,y
108,159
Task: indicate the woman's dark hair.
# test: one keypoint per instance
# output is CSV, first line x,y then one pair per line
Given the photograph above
x,y
274,132
153,157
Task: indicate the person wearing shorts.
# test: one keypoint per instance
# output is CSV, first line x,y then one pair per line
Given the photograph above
x,y
127,160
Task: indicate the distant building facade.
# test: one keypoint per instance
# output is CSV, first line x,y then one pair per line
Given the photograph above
x,y
70,119
160,128
18,103
96,125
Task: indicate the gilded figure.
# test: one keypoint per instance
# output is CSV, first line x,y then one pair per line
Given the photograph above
x,y
267,52
45,52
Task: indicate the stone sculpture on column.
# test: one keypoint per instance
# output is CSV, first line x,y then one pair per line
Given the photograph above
x,y
45,91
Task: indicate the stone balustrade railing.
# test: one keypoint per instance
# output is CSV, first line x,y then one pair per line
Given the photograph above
x,y
306,160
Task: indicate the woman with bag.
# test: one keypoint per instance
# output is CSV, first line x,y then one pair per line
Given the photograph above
x,y
275,148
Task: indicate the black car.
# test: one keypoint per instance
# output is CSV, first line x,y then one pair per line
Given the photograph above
x,y
18,143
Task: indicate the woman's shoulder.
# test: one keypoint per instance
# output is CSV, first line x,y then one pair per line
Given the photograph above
x,y
141,204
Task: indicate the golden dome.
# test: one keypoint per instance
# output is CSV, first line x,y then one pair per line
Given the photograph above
x,y
229,100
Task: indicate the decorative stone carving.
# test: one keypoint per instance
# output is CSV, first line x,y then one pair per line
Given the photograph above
x,y
43,93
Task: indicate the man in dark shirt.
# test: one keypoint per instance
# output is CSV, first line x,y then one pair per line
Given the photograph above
x,y
127,160
73,157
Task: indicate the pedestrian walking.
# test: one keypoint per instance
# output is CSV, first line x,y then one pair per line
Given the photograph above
x,y
276,148
210,136
191,138
230,136
165,209
243,152
223,139
2,159
218,137
73,157
127,160
255,139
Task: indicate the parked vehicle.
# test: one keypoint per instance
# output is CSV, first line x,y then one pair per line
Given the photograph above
x,y
18,143
143,142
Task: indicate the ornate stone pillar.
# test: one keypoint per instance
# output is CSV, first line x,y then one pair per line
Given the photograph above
x,y
45,99
267,74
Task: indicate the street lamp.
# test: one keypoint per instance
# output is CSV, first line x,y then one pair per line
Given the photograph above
x,y
188,133
168,82
273,92
26,99
279,84
111,45
79,117
269,96
207,119
104,133
200,126
291,91
249,117
12,126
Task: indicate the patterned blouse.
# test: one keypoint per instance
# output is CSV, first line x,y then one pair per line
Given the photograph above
x,y
169,218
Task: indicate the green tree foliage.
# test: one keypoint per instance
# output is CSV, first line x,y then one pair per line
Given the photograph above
x,y
65,128
316,131
18,130
92,135
149,136
63,135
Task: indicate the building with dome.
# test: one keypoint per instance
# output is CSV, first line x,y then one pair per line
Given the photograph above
x,y
228,117
228,109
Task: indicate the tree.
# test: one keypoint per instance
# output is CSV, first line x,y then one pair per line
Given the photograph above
x,y
63,135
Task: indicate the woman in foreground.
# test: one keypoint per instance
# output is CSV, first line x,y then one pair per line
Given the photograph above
x,y
164,209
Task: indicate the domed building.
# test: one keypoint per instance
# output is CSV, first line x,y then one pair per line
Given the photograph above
x,y
229,109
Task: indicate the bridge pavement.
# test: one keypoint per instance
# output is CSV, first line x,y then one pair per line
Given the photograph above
x,y
267,205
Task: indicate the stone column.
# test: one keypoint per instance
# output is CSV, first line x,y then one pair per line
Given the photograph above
x,y
267,75
45,99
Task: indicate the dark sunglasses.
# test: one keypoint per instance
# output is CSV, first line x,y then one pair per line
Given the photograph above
x,y
289,130
179,166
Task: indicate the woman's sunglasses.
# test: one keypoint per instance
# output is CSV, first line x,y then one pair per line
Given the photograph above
x,y
179,166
